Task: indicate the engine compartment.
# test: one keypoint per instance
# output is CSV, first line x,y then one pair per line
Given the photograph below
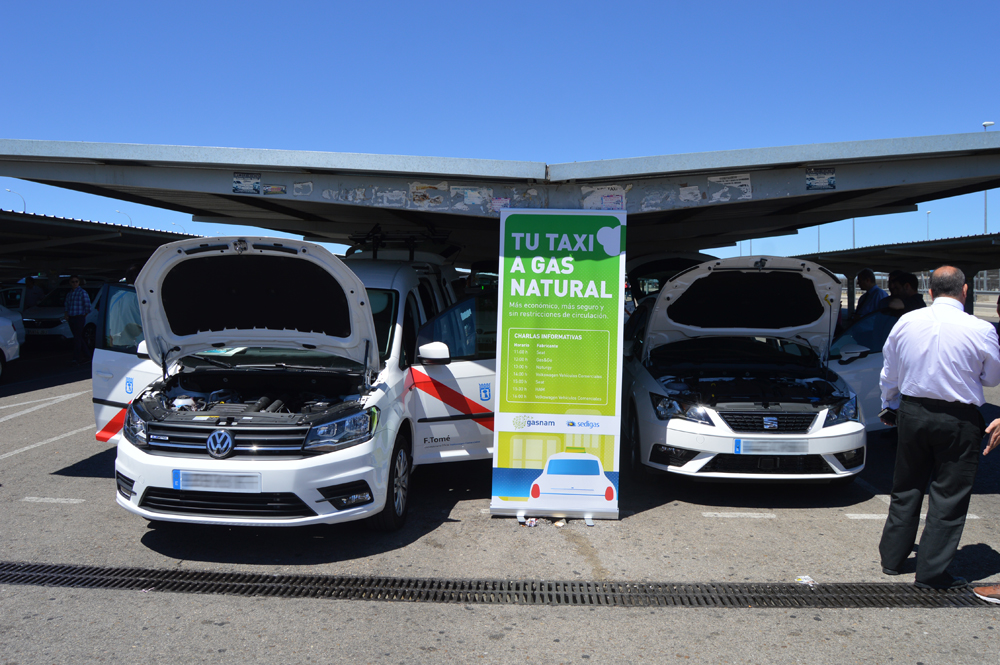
x,y
713,387
271,395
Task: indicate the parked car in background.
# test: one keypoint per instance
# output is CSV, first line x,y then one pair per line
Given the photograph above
x,y
48,318
856,355
10,350
15,320
726,376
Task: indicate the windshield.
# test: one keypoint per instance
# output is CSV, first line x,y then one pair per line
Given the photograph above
x,y
57,297
247,356
384,305
731,351
573,467
870,332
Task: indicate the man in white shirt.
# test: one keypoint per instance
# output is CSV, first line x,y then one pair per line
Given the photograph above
x,y
936,361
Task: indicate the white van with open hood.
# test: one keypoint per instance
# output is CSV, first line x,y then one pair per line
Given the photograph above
x,y
269,407
726,375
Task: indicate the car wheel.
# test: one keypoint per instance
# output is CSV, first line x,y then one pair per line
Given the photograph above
x,y
636,467
393,515
90,336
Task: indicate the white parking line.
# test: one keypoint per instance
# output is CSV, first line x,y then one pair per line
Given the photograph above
x,y
54,400
33,401
753,516
39,499
42,443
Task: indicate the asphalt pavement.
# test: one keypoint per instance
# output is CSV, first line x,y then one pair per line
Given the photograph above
x,y
57,494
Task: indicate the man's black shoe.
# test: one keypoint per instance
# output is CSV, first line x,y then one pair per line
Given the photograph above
x,y
944,581
890,571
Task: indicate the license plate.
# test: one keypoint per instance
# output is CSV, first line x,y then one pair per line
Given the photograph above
x,y
247,483
770,447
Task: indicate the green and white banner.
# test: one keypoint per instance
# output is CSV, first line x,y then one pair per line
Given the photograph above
x,y
559,331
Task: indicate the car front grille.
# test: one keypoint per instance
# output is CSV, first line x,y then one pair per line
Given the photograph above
x,y
41,324
249,441
776,464
225,504
779,423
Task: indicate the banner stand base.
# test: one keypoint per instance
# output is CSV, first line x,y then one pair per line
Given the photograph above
x,y
520,517
588,520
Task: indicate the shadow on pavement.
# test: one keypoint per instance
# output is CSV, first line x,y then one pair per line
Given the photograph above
x,y
977,562
101,465
434,492
41,366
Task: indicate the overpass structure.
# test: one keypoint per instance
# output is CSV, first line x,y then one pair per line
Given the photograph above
x,y
451,206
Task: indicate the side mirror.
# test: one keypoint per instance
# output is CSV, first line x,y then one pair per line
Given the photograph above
x,y
434,353
141,351
851,352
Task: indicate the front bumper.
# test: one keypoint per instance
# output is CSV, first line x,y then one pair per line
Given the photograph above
x,y
717,456
301,478
60,330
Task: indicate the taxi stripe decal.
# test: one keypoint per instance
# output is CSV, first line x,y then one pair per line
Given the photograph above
x,y
451,397
113,427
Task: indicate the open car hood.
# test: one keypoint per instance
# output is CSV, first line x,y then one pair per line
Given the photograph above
x,y
205,293
753,296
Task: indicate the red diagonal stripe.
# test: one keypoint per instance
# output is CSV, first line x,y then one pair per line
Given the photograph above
x,y
450,396
113,427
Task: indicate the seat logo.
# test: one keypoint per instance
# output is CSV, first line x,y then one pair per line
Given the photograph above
x,y
219,444
770,422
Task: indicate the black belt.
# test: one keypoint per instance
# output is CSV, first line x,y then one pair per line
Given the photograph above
x,y
939,403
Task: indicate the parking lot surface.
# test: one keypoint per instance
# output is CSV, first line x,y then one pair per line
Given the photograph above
x,y
57,493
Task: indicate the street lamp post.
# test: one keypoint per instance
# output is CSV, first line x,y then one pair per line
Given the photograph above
x,y
178,226
928,224
24,206
127,215
988,123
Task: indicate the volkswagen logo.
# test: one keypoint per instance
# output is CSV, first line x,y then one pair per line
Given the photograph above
x,y
219,444
770,422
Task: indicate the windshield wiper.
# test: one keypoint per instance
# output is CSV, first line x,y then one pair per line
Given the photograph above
x,y
213,361
285,366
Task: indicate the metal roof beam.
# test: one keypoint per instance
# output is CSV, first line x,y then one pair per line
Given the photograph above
x,y
57,242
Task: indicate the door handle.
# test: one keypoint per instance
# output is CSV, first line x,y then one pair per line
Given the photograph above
x,y
104,374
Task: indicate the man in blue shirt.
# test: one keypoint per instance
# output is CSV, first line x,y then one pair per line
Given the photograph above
x,y
77,308
873,295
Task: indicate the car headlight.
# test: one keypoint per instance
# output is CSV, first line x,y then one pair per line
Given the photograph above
x,y
135,428
846,411
668,409
343,433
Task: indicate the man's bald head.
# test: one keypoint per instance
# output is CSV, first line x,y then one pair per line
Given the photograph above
x,y
948,281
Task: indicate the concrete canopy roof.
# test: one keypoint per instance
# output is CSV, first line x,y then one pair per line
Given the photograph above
x,y
451,206
970,253
30,244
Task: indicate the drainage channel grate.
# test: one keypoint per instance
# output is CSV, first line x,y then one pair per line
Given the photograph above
x,y
509,592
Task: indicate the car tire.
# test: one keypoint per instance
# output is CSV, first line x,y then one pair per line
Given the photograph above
x,y
90,336
637,469
397,496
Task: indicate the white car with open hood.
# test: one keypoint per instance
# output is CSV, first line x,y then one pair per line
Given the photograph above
x,y
727,375
262,381
270,408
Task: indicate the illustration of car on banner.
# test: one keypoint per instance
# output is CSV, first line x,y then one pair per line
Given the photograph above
x,y
571,474
727,375
272,406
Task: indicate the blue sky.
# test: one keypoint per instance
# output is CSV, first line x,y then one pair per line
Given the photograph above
x,y
552,82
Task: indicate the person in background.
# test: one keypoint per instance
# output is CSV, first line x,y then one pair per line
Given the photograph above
x,y
908,292
33,293
936,361
77,308
873,295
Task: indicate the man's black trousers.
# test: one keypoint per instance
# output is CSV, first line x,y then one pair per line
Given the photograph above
x,y
938,443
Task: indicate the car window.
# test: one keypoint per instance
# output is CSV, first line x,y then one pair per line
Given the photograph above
x,y
427,299
12,298
870,332
122,324
468,328
410,318
384,305
573,467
